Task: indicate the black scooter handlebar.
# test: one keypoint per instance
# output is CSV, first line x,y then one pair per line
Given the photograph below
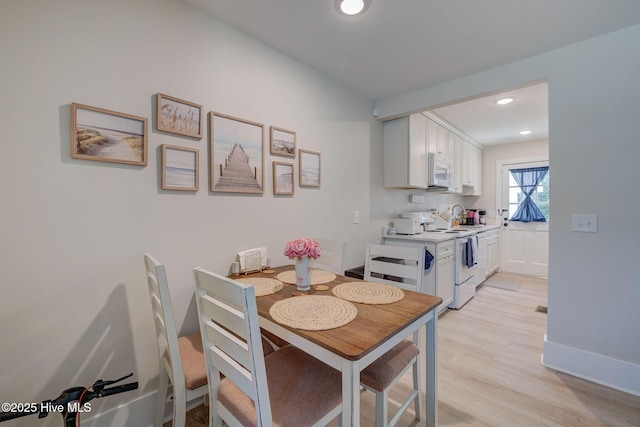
x,y
71,395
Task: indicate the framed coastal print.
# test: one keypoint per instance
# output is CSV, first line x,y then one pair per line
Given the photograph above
x,y
179,116
283,142
282,178
236,150
179,168
309,168
107,136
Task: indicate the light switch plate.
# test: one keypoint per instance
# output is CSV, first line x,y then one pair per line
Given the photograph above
x,y
587,223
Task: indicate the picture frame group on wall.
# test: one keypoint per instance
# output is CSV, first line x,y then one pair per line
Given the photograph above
x,y
236,150
178,116
309,168
236,147
108,136
282,141
282,178
180,168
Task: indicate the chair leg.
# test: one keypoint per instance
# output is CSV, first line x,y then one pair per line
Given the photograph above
x,y
382,409
161,399
416,386
179,408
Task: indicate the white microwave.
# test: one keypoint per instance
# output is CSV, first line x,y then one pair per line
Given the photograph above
x,y
439,171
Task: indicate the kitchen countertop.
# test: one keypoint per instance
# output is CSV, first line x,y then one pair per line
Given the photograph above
x,y
441,236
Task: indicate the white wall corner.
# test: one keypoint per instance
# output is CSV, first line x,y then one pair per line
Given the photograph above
x,y
610,372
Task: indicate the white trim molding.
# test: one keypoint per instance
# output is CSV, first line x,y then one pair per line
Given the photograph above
x,y
610,372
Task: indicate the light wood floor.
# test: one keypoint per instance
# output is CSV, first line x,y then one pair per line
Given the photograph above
x,y
490,372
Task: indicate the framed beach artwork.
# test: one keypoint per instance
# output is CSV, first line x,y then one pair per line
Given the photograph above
x,y
309,168
178,116
236,150
282,178
283,142
108,136
179,168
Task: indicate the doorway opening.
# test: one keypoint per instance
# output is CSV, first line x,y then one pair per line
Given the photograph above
x,y
525,245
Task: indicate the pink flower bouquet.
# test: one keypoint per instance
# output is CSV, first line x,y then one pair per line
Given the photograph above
x,y
303,247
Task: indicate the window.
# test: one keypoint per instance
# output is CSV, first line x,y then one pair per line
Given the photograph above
x,y
534,181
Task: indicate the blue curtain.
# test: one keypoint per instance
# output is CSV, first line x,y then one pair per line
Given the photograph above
x,y
528,179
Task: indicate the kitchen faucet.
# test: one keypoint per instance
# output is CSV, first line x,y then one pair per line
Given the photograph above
x,y
453,212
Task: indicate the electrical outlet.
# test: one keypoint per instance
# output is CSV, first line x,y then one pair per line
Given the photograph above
x,y
356,217
587,223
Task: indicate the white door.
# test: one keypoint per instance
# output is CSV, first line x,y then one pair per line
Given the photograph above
x,y
525,246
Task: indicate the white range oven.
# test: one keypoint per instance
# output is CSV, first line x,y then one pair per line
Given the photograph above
x,y
465,256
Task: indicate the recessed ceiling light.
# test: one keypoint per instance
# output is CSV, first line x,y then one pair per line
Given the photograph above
x,y
524,132
505,101
352,7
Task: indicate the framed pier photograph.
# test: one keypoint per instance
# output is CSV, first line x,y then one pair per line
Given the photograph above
x,y
236,150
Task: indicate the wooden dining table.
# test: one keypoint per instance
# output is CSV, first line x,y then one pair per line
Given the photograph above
x,y
352,347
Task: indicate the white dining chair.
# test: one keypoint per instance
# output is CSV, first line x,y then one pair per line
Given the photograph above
x,y
286,388
182,363
402,267
332,258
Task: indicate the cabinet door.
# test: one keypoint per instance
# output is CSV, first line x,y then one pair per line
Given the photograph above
x,y
443,141
418,161
471,169
405,152
476,159
493,254
445,281
465,152
480,270
433,131
456,158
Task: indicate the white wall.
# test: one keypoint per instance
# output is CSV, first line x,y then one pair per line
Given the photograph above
x,y
593,145
74,303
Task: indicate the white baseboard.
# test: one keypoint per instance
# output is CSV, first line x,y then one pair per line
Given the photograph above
x,y
614,373
137,413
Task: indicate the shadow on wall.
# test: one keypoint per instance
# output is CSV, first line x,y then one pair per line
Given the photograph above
x,y
104,351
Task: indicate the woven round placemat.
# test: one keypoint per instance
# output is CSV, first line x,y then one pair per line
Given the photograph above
x,y
263,285
317,277
313,312
368,292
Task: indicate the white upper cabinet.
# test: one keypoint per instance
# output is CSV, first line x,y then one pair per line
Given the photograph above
x,y
405,152
439,139
409,140
456,182
471,170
